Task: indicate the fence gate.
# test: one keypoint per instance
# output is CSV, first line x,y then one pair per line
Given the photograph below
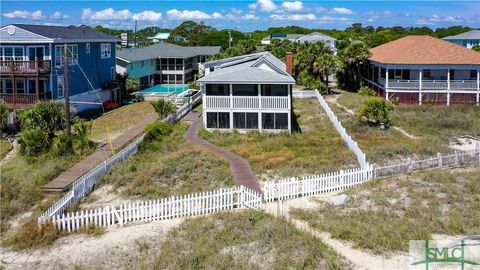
x,y
250,198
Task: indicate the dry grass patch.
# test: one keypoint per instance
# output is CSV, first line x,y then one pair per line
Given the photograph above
x,y
170,167
244,240
384,215
4,147
315,148
120,120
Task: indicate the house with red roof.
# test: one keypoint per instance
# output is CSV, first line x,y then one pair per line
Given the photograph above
x,y
418,69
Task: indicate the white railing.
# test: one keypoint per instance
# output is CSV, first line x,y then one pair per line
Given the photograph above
x,y
84,184
315,184
247,102
217,102
353,145
165,208
303,94
433,84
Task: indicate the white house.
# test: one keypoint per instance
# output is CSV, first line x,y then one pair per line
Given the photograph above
x,y
301,38
416,69
467,39
249,92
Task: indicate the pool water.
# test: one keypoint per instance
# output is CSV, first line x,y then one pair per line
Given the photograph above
x,y
166,88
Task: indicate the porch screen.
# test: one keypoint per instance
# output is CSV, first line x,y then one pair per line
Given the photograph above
x,y
218,120
275,120
245,120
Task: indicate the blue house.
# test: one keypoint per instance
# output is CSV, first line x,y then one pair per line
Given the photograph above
x,y
32,65
467,39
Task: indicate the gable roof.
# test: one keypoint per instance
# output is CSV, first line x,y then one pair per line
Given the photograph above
x,y
251,68
66,33
473,34
165,50
423,50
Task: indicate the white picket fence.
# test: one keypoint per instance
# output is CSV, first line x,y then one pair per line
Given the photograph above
x,y
161,209
315,184
84,184
353,145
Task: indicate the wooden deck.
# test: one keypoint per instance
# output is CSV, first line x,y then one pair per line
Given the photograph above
x,y
240,167
64,180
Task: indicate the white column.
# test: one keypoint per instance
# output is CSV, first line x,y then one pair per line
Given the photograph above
x,y
260,106
231,107
420,77
289,89
204,114
448,87
386,84
478,87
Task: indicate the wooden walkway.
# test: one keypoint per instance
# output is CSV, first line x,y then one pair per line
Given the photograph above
x,y
64,180
240,168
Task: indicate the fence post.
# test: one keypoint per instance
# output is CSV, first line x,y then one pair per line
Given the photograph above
x,y
409,164
440,161
456,158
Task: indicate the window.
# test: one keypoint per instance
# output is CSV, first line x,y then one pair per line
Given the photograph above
x,y
87,48
8,53
245,90
106,50
20,85
60,86
72,54
275,120
217,90
274,90
18,53
164,64
398,73
8,86
218,120
179,64
32,86
473,74
245,120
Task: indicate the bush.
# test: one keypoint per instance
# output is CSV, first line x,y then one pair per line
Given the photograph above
x,y
132,85
320,87
376,110
79,144
194,85
33,141
163,107
31,235
62,145
46,116
156,131
3,113
365,91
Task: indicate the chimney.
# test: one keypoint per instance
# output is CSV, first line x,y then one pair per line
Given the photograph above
x,y
289,62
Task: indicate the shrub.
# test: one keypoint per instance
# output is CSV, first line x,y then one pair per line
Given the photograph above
x,y
376,110
193,85
365,91
320,87
156,131
31,235
81,138
33,141
46,116
3,113
62,145
132,85
163,107
395,101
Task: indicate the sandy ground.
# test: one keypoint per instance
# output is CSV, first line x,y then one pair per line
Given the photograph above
x,y
13,151
119,247
104,195
360,259
464,143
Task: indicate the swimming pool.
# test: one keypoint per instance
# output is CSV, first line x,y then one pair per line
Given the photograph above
x,y
164,89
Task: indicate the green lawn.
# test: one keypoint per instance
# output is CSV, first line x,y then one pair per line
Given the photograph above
x,y
384,215
172,167
4,148
244,240
315,148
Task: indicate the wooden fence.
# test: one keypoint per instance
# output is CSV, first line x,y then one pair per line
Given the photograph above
x,y
166,208
84,184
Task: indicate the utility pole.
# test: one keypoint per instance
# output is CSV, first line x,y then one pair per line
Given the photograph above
x,y
65,91
135,35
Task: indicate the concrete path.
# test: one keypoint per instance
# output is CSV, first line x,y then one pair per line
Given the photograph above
x,y
240,168
64,180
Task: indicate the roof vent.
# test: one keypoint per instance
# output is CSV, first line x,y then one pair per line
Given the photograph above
x,y
11,30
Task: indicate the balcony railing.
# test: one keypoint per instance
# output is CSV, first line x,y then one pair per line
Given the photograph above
x,y
433,84
25,67
247,102
23,99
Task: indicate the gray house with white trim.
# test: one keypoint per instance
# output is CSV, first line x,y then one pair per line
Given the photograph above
x,y
250,92
467,39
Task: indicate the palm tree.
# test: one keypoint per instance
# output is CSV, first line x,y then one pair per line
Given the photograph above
x,y
324,66
350,59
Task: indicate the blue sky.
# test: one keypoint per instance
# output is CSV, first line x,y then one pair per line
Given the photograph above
x,y
243,15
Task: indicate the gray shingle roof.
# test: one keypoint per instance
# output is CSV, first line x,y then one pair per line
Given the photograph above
x,y
67,32
248,69
474,34
165,50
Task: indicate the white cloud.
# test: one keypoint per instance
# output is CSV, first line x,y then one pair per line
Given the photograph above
x,y
293,17
217,15
106,14
292,6
236,11
250,16
24,14
58,16
320,9
263,5
147,15
341,10
434,19
175,14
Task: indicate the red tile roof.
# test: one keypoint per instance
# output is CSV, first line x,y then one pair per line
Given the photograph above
x,y
424,50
